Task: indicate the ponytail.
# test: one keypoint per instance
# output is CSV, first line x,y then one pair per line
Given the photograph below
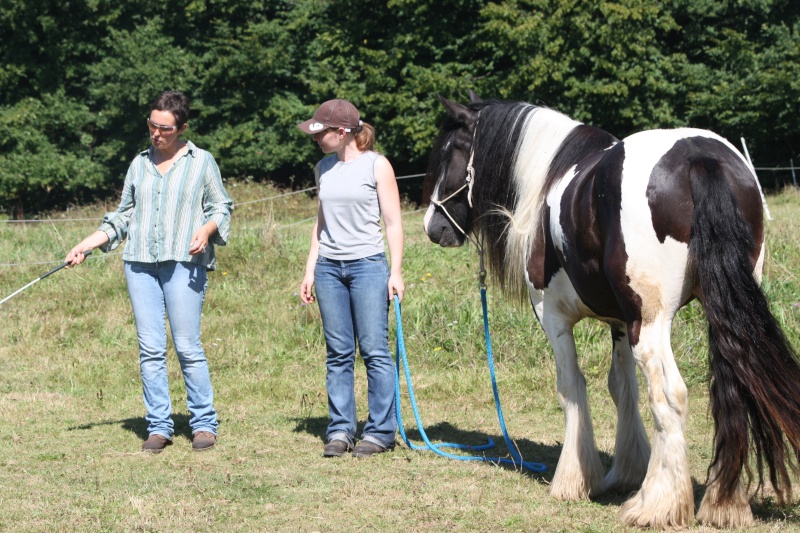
x,y
365,137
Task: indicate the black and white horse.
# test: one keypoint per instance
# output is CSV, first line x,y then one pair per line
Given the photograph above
x,y
586,225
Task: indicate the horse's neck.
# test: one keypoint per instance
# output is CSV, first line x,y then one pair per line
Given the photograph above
x,y
541,142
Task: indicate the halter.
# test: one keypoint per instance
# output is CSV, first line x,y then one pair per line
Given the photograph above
x,y
469,182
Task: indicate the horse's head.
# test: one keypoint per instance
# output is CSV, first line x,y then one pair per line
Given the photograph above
x,y
448,181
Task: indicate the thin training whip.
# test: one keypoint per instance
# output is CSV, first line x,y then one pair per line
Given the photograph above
x,y
40,278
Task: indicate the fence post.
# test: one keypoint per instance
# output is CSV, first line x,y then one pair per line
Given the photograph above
x,y
794,178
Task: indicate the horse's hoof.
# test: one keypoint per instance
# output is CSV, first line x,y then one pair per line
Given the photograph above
x,y
664,513
732,514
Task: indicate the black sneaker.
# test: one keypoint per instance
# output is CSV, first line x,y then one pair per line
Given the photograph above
x,y
336,448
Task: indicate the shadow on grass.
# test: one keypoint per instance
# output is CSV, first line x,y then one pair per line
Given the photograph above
x,y
139,426
316,426
768,510
444,432
765,510
528,450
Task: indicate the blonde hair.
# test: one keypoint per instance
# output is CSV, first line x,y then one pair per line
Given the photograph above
x,y
365,137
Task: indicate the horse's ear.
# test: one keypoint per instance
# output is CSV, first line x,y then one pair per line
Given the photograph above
x,y
474,98
456,110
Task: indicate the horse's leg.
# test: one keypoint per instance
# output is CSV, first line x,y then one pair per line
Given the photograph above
x,y
579,473
665,499
632,448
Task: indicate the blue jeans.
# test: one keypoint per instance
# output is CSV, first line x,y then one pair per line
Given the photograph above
x,y
353,300
177,289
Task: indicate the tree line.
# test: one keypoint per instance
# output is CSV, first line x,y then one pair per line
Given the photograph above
x,y
76,77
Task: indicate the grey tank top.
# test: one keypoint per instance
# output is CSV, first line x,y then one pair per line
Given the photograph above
x,y
348,196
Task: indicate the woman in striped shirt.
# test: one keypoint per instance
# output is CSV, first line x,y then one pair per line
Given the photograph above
x,y
173,210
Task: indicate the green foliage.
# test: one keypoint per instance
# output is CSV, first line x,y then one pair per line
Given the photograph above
x,y
742,76
45,150
253,69
602,62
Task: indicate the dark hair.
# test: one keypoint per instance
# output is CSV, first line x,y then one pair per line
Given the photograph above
x,y
175,102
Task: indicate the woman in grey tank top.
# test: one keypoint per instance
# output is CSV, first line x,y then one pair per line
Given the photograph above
x,y
354,284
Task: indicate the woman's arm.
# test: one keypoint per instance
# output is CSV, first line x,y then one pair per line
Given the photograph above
x,y
115,225
76,257
306,295
389,199
217,210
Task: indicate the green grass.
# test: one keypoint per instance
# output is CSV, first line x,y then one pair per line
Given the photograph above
x,y
71,415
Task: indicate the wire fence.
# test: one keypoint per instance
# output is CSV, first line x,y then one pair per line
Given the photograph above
x,y
790,168
791,173
240,204
280,227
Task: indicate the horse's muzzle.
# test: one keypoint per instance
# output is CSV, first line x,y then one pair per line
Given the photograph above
x,y
441,232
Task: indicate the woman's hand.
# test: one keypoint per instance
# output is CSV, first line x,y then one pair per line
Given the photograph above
x,y
306,295
396,286
199,241
76,255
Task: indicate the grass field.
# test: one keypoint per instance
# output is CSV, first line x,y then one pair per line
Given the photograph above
x,y
71,414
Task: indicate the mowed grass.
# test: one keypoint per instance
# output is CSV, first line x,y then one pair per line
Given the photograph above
x,y
71,415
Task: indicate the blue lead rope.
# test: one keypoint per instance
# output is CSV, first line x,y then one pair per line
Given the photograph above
x,y
516,460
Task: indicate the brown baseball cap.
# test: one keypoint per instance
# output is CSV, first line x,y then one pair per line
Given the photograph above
x,y
332,114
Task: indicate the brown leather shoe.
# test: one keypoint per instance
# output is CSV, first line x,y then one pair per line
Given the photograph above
x,y
203,440
155,443
336,448
366,448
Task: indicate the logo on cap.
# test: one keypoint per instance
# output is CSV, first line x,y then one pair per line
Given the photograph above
x,y
316,126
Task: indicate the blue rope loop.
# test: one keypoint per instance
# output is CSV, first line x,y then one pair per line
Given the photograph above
x,y
400,353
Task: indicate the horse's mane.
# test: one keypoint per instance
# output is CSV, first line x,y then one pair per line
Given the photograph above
x,y
515,142
521,151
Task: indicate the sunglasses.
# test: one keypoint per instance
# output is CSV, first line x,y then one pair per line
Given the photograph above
x,y
160,127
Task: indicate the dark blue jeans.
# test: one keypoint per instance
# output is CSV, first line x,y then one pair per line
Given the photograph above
x,y
353,299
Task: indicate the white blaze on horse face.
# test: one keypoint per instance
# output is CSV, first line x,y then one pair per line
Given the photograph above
x,y
428,215
432,207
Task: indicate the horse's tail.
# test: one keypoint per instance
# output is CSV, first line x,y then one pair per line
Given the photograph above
x,y
755,387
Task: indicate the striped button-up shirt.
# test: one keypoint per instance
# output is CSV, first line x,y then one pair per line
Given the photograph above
x,y
159,214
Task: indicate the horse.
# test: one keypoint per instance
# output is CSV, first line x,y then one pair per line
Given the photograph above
x,y
628,231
